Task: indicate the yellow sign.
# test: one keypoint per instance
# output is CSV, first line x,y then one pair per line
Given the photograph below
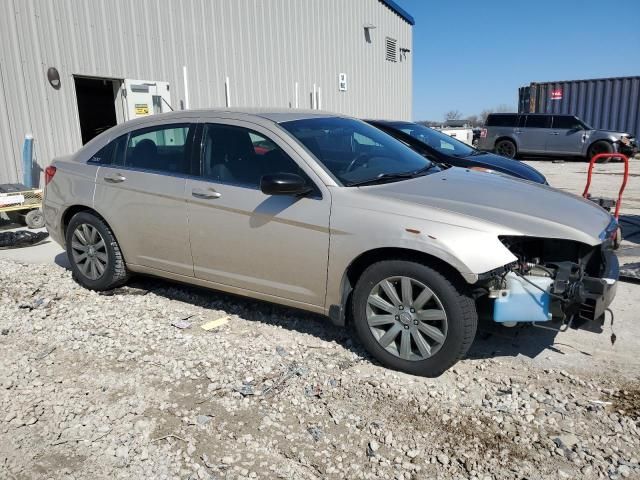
x,y
142,109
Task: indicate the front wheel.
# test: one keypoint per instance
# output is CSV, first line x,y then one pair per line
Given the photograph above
x,y
412,318
94,254
600,147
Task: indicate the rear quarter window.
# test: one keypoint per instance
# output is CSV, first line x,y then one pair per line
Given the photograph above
x,y
111,153
502,120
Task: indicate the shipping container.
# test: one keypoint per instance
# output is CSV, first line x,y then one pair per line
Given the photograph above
x,y
603,103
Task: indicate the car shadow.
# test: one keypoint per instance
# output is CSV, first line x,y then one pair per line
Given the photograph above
x,y
62,260
492,340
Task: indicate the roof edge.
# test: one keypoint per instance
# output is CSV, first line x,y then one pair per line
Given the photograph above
x,y
400,11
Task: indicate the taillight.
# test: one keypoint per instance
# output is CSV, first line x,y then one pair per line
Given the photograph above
x,y
483,133
49,172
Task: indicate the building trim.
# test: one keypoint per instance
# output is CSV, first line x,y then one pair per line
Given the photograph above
x,y
400,11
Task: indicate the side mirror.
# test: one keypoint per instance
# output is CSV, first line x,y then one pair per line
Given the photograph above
x,y
284,184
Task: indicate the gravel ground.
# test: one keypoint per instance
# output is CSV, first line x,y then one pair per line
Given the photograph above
x,y
105,386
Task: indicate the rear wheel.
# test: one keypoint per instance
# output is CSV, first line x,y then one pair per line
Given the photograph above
x,y
94,253
412,318
506,148
600,147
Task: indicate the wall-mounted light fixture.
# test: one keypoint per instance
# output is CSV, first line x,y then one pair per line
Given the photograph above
x,y
367,31
54,78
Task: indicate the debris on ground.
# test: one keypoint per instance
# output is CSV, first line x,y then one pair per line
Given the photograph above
x,y
95,386
21,238
214,323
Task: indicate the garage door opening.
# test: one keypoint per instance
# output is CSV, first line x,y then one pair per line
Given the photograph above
x,y
96,105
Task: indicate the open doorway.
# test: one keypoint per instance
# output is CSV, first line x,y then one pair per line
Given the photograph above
x,y
96,105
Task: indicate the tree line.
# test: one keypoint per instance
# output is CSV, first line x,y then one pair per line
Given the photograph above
x,y
471,120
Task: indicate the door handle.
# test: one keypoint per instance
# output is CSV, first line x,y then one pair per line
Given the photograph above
x,y
518,131
205,194
115,178
555,133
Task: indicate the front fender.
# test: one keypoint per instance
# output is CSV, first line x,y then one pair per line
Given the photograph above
x,y
467,250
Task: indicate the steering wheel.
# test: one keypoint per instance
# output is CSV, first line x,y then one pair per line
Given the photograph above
x,y
358,159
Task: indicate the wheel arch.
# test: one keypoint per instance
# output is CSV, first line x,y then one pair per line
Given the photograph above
x,y
71,211
74,209
506,137
339,313
601,140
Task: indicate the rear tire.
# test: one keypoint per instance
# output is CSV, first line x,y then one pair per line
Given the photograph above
x,y
438,331
506,148
94,254
600,146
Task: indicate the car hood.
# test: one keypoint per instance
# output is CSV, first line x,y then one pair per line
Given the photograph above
x,y
503,204
610,133
506,165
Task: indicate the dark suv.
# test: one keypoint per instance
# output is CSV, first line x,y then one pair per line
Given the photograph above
x,y
512,134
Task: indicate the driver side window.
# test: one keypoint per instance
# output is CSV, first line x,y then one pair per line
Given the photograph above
x,y
239,156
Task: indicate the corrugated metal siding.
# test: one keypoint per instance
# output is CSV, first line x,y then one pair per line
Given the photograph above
x,y
606,103
264,47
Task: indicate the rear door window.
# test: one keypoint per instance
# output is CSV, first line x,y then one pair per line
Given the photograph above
x,y
538,121
165,148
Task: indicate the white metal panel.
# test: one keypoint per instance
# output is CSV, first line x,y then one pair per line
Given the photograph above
x,y
264,47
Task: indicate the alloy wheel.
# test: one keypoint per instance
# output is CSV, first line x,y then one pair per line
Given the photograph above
x,y
406,318
89,252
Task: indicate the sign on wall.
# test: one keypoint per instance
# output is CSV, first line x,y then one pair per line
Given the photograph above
x,y
342,82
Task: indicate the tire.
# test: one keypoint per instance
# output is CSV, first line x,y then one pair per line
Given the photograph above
x,y
449,298
600,146
34,219
506,148
114,271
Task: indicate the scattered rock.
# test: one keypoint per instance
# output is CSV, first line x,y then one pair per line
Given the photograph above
x,y
275,393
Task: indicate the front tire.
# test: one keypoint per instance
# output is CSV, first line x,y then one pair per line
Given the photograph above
x,y
412,318
506,148
601,146
94,254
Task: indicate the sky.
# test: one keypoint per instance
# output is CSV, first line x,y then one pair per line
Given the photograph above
x,y
471,55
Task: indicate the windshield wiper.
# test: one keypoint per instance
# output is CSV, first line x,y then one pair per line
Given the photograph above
x,y
383,177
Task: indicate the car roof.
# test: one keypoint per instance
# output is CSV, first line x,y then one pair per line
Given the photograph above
x,y
277,115
390,122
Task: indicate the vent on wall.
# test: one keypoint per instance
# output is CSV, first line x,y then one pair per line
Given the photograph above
x,y
391,49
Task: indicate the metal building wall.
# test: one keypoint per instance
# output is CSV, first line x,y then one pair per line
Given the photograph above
x,y
606,103
263,46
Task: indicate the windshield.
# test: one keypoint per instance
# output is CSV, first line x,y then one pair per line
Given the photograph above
x,y
354,151
437,140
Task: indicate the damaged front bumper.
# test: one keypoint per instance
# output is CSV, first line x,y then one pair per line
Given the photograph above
x,y
627,146
599,292
554,280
